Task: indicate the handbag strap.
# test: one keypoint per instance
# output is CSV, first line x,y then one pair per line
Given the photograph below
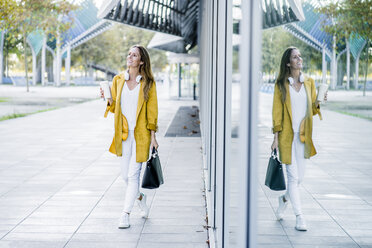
x,y
154,152
275,155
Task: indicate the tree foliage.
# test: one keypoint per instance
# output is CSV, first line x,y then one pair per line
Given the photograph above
x,y
8,13
349,18
21,17
11,46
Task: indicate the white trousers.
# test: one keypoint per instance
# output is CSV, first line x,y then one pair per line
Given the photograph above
x,y
130,172
296,173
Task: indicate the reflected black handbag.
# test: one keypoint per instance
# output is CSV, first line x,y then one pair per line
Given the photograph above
x,y
153,176
274,174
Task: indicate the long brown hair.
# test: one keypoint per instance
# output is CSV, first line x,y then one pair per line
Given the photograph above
x,y
145,70
284,71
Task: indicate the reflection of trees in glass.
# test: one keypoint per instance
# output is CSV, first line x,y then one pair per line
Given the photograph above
x,y
235,60
276,40
23,17
11,44
110,49
350,19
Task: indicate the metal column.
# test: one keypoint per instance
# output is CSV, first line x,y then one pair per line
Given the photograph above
x,y
1,56
34,62
356,77
250,64
43,61
324,65
179,68
68,64
347,64
57,74
334,65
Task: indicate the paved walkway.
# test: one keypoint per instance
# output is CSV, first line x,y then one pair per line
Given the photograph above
x,y
336,193
15,100
60,187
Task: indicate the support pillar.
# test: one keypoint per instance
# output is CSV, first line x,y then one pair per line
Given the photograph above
x,y
324,65
57,75
347,64
34,63
179,68
334,65
356,77
1,56
54,69
68,64
43,62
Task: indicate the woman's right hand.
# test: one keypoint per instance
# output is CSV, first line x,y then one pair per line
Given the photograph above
x,y
275,144
101,91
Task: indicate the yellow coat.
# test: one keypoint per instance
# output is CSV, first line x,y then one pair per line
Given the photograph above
x,y
146,119
282,121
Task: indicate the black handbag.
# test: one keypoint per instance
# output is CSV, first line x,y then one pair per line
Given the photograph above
x,y
153,176
274,174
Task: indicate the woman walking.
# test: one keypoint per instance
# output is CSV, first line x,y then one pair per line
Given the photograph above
x,y
135,107
294,105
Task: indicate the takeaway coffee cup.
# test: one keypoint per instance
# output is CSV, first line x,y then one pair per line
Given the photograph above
x,y
321,92
106,89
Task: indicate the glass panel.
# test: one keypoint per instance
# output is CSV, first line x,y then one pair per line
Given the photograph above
x,y
235,110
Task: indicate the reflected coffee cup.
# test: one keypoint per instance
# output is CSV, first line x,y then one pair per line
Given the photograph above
x,y
322,90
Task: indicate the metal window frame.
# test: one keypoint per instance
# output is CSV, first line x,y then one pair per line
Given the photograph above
x,y
250,64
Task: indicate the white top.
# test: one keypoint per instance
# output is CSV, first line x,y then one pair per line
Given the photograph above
x,y
298,104
129,101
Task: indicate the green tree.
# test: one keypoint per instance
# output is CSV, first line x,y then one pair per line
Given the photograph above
x,y
350,18
11,44
25,16
8,11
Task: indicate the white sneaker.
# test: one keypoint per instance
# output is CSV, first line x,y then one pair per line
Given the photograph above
x,y
124,221
300,223
142,205
281,208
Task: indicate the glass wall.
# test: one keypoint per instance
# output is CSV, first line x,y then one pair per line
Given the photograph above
x,y
182,80
235,110
229,64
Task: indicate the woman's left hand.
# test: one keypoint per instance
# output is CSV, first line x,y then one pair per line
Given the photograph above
x,y
154,143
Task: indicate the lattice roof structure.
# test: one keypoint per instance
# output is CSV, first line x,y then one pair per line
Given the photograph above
x,y
173,17
310,31
86,26
280,12
181,17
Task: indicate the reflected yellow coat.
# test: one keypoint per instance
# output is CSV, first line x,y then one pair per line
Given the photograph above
x,y
146,119
282,121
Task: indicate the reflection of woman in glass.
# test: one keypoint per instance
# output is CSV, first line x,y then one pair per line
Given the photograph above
x,y
293,108
134,103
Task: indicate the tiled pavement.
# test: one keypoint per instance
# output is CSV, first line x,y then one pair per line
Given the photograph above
x,y
60,187
337,190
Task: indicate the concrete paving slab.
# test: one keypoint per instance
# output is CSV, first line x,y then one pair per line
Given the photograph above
x,y
105,244
31,244
172,245
62,188
336,192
